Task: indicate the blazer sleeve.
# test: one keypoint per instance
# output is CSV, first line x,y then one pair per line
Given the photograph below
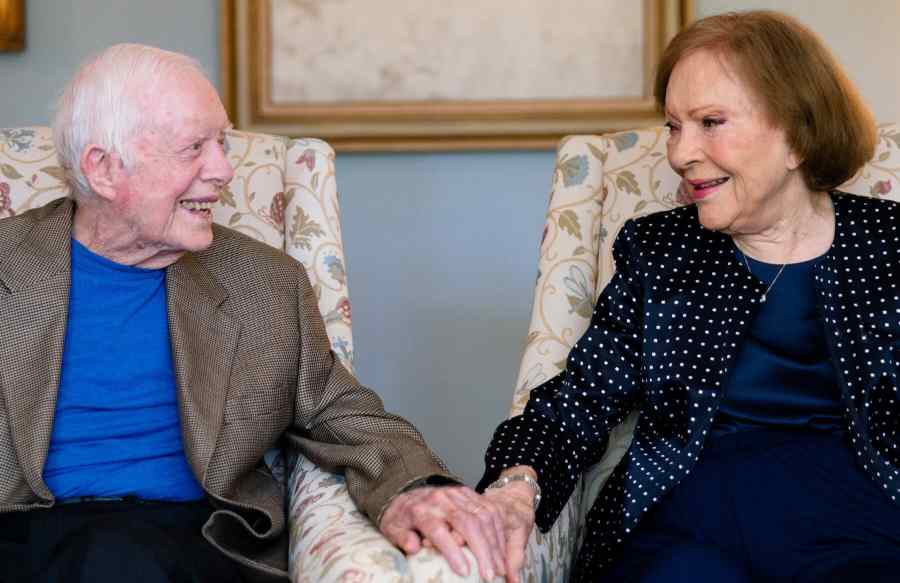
x,y
342,426
565,426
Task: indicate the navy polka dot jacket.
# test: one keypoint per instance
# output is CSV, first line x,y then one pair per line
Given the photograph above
x,y
662,338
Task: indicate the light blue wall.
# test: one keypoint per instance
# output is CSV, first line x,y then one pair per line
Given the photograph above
x,y
441,248
62,33
442,256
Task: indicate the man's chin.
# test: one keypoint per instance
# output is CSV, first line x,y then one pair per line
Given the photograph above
x,y
200,245
196,240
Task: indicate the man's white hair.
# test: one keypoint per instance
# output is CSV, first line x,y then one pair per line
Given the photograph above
x,y
100,106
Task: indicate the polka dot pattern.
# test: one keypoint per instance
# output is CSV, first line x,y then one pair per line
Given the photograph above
x,y
663,337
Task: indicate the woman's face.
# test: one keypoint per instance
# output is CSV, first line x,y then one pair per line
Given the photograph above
x,y
735,164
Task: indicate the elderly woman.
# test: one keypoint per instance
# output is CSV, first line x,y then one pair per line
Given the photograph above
x,y
757,331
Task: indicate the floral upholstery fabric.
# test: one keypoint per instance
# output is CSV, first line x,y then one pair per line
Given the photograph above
x,y
335,543
30,175
599,182
283,193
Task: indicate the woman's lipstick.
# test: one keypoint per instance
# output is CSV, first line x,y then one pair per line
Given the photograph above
x,y
701,189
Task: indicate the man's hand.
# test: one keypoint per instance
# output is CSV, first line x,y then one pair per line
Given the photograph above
x,y
447,517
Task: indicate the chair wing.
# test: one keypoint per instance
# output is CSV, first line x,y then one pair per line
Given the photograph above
x,y
312,228
30,175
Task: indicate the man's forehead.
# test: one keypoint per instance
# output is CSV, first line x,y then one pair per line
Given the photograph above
x,y
185,108
174,92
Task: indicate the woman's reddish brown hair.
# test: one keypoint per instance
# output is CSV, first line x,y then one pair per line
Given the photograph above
x,y
797,80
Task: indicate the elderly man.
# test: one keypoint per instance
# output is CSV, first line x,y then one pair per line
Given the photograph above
x,y
154,358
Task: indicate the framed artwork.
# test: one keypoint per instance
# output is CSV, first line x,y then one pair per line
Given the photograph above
x,y
436,75
12,25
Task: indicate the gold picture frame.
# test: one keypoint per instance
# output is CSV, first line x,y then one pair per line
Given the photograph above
x,y
246,72
12,25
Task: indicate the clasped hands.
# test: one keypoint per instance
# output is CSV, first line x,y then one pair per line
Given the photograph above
x,y
494,525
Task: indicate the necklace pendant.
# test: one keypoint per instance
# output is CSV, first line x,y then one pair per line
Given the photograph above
x,y
762,300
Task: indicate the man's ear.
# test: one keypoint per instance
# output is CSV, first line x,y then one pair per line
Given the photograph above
x,y
102,170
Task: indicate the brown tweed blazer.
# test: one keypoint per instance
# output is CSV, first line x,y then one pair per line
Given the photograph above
x,y
253,366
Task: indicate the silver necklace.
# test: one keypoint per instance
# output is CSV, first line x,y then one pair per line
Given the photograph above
x,y
777,275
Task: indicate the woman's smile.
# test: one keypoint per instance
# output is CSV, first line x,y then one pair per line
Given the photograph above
x,y
701,189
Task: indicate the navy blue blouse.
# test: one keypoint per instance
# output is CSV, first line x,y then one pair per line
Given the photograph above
x,y
783,376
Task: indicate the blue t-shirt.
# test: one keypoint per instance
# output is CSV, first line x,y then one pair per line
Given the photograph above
x,y
116,431
783,376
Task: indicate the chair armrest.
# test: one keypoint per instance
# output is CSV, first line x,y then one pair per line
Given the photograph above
x,y
549,556
596,476
332,541
430,566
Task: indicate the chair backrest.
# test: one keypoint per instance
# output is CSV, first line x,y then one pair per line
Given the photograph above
x,y
599,182
283,193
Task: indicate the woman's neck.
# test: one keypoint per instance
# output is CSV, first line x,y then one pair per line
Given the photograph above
x,y
803,233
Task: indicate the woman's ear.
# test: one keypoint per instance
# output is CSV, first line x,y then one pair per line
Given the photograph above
x,y
794,160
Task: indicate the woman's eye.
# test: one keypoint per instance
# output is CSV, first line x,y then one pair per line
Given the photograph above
x,y
671,127
711,122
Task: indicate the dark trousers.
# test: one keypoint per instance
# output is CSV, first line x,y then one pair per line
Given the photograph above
x,y
121,541
773,507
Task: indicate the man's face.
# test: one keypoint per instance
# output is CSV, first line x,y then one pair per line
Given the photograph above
x,y
164,199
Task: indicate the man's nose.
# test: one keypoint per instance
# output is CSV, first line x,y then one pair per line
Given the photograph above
x,y
217,167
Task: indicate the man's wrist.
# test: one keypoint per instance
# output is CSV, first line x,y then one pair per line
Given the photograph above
x,y
435,480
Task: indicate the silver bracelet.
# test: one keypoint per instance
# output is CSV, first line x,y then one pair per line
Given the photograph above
x,y
519,478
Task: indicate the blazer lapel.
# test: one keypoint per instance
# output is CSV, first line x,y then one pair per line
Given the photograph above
x,y
34,298
716,307
725,309
204,339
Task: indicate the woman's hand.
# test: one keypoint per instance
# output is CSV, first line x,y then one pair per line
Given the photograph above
x,y
515,503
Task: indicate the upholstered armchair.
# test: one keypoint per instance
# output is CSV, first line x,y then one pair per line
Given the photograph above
x,y
284,194
598,183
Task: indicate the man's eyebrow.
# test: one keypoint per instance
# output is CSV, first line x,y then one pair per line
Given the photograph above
x,y
200,136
